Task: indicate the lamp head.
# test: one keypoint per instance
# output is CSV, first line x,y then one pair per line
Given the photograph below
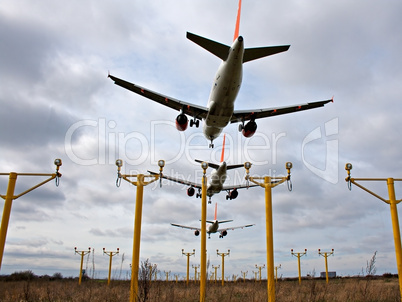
x,y
348,167
58,162
204,165
289,165
247,165
119,163
161,163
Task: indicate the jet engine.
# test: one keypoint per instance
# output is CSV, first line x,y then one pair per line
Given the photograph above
x,y
223,234
196,232
232,194
190,191
181,122
249,129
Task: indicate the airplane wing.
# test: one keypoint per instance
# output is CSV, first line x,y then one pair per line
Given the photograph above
x,y
245,115
234,228
185,227
192,110
178,180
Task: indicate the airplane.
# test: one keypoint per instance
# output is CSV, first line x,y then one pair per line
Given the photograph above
x,y
219,111
214,227
215,181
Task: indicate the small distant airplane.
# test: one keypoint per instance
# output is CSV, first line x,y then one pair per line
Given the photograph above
x,y
225,87
214,227
215,181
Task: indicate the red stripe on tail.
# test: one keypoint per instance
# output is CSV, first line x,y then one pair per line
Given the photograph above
x,y
216,211
236,34
223,149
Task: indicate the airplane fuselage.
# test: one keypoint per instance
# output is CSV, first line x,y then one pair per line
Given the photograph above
x,y
224,91
217,179
213,228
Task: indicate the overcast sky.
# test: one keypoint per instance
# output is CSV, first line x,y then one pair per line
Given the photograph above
x,y
57,102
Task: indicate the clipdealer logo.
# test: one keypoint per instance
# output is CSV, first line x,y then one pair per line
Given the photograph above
x,y
331,159
96,142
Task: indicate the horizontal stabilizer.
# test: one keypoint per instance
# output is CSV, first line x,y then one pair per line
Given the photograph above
x,y
216,166
224,221
260,52
234,166
218,49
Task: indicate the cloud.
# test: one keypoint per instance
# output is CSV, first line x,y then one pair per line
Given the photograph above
x,y
56,102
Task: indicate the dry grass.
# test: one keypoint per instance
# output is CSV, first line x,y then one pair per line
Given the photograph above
x,y
346,289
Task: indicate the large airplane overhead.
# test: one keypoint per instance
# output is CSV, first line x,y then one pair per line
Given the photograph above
x,y
219,111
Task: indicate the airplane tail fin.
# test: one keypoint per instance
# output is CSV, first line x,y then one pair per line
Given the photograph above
x,y
236,33
216,166
216,211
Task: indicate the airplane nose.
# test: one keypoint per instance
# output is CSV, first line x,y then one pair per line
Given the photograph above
x,y
240,39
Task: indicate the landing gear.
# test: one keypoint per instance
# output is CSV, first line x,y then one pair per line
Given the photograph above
x,y
209,200
211,145
198,195
241,126
194,122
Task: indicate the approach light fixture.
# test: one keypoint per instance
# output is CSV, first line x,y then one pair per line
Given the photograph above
x,y
119,163
161,163
58,162
204,165
247,165
348,167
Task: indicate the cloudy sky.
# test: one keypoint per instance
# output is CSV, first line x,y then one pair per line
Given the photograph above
x,y
57,102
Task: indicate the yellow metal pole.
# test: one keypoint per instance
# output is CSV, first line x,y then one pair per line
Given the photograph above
x,y
110,269
215,268
203,234
394,213
396,231
82,261
298,265
110,254
325,255
276,272
223,269
137,238
6,212
268,184
298,255
82,254
188,268
188,263
223,264
270,239
195,267
9,197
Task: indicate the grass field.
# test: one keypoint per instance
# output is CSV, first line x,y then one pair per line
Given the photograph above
x,y
344,289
